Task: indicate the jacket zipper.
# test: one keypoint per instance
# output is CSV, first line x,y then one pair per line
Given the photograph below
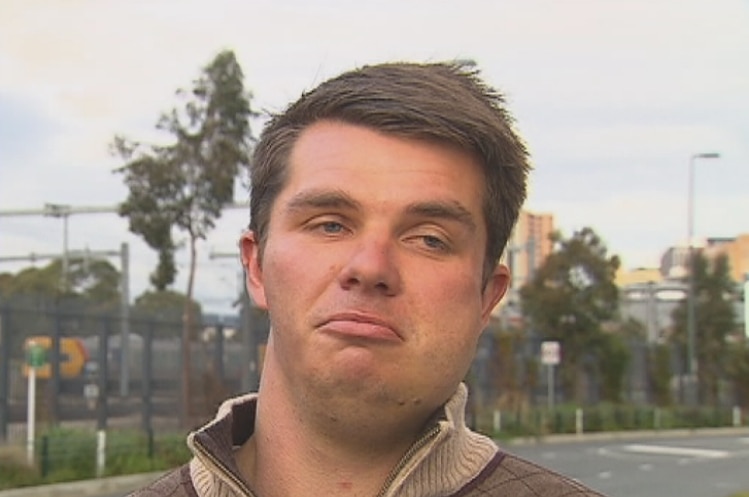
x,y
226,472
410,453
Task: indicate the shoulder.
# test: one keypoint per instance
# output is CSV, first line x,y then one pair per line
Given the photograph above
x,y
510,475
176,483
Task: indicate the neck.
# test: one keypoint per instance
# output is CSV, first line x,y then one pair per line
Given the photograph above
x,y
292,453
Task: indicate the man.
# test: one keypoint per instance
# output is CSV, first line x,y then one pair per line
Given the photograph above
x,y
381,203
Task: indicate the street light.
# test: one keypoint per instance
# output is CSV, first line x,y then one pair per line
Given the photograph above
x,y
692,360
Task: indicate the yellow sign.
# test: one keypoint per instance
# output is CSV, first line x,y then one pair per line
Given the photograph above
x,y
73,356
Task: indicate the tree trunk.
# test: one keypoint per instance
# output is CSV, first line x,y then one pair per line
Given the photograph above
x,y
186,339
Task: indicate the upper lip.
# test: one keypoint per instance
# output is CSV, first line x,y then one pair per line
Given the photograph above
x,y
361,317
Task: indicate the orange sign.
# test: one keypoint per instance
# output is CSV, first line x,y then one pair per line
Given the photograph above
x,y
73,356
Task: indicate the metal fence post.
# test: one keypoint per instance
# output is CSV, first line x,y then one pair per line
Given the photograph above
x,y
44,465
53,388
4,373
146,379
103,375
218,353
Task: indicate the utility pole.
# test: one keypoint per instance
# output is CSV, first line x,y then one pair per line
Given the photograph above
x,y
692,362
250,378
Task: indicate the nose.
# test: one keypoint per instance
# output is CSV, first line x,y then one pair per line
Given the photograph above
x,y
371,267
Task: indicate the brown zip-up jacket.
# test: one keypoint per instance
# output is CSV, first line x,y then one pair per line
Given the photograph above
x,y
449,460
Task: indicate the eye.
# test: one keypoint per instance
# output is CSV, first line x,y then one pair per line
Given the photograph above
x,y
325,226
331,227
434,243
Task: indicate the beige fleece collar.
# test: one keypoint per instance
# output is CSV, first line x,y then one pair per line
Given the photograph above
x,y
443,465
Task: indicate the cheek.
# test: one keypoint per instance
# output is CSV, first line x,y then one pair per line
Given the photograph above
x,y
450,309
454,292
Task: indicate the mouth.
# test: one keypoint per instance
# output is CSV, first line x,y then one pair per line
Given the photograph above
x,y
360,325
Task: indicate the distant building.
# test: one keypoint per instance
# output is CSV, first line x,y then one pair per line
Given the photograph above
x,y
675,260
527,249
640,275
650,295
737,251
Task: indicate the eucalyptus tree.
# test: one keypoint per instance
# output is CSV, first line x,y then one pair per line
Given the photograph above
x,y
571,299
182,186
715,294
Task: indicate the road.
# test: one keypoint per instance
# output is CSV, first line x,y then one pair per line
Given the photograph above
x,y
701,466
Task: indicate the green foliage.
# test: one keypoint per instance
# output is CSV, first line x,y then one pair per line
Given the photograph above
x,y
714,294
613,364
570,299
660,374
133,452
71,455
91,280
166,303
737,369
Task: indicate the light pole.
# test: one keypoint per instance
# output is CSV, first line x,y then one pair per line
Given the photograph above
x,y
63,211
691,320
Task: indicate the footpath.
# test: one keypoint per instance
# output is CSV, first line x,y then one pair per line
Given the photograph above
x,y
113,485
122,485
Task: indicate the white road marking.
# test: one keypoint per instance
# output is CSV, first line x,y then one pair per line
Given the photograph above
x,y
604,475
646,467
676,451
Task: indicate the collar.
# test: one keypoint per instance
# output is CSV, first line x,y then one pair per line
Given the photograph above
x,y
443,460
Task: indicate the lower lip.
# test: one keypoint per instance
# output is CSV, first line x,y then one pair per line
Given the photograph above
x,y
357,329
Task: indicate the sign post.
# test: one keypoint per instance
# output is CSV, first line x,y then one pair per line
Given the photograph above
x,y
550,357
746,305
36,357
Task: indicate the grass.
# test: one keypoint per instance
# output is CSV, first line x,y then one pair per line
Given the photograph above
x,y
68,455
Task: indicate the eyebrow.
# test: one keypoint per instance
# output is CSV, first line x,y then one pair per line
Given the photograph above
x,y
451,211
338,199
321,199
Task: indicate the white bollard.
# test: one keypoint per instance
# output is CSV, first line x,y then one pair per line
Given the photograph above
x,y
497,421
736,416
30,415
579,421
101,452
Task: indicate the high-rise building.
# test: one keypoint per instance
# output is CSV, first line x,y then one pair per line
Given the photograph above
x,y
527,249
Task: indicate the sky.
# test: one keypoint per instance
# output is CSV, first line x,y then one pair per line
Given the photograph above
x,y
612,97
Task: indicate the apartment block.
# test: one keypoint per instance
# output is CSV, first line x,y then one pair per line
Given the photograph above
x,y
526,251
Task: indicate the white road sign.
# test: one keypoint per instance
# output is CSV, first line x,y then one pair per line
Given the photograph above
x,y
551,353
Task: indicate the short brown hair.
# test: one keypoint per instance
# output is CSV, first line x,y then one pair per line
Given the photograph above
x,y
441,102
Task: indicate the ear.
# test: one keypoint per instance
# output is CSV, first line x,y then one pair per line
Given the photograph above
x,y
249,250
494,290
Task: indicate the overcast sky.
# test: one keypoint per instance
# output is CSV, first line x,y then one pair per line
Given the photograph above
x,y
613,97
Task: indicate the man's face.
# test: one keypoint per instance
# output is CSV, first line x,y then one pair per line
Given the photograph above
x,y
372,268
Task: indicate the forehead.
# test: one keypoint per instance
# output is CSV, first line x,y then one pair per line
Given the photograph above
x,y
357,157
